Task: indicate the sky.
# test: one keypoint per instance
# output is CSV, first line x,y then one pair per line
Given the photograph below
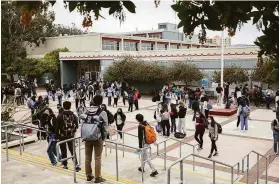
x,y
147,17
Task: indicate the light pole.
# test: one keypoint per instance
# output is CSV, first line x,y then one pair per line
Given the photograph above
x,y
222,65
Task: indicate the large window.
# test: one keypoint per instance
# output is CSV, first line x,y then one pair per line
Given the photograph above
x,y
146,46
156,35
173,47
110,45
130,46
161,47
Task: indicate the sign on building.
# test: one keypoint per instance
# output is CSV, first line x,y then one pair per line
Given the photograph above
x,y
204,83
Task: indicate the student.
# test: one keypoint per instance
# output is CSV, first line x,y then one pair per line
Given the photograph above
x,y
275,129
109,95
173,116
213,135
243,114
195,107
82,97
97,145
59,94
165,116
269,93
116,95
219,91
137,97
66,127
181,114
131,101
157,117
125,97
143,144
119,118
205,106
91,91
200,129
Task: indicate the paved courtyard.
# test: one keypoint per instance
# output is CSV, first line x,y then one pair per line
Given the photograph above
x,y
233,145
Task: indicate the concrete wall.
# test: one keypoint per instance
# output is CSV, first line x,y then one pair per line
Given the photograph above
x,y
69,72
81,43
172,35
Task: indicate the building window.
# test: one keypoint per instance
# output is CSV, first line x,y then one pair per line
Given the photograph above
x,y
110,45
173,47
162,26
161,46
156,35
130,46
146,46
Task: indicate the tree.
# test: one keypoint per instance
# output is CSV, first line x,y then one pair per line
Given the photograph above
x,y
233,74
130,69
16,36
60,29
222,15
265,72
186,72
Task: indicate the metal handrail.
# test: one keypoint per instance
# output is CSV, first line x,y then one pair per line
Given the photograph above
x,y
258,166
214,163
73,157
180,150
135,148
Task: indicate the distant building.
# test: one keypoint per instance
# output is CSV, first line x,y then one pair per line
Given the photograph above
x,y
216,40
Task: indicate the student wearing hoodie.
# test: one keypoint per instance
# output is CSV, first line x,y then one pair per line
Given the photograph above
x,y
143,144
65,128
119,118
173,117
200,129
213,135
181,115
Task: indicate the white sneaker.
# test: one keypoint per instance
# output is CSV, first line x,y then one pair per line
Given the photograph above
x,y
276,154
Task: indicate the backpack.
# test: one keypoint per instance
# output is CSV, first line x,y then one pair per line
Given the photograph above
x,y
154,99
158,128
150,134
274,123
139,95
92,129
245,111
110,117
209,106
219,128
179,135
29,104
69,125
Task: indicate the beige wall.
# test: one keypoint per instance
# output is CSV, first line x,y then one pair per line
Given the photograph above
x,y
85,43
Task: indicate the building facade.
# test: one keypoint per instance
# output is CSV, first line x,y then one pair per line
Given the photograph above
x,y
91,54
217,40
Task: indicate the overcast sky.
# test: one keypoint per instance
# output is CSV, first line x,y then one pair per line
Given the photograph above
x,y
147,17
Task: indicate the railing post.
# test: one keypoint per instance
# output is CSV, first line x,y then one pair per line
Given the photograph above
x,y
74,160
40,131
238,170
213,172
258,167
247,180
169,175
181,171
180,151
106,148
142,180
22,138
116,150
7,147
243,165
194,159
20,145
79,151
165,155
122,143
266,165
232,175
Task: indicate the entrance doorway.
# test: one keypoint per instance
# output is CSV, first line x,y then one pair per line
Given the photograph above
x,y
93,76
89,69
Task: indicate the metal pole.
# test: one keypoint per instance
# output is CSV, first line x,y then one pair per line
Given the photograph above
x,y
181,171
247,180
243,165
79,151
238,172
20,148
222,63
258,167
169,174
22,138
74,161
123,143
7,147
116,150
40,131
165,155
232,175
194,159
266,165
106,149
180,150
213,172
142,168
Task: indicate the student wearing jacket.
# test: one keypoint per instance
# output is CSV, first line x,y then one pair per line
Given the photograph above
x,y
119,118
142,144
136,97
181,115
275,129
213,135
173,117
165,116
65,128
200,128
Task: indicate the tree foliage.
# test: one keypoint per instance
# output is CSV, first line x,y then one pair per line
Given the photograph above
x,y
233,74
130,69
16,37
58,30
265,72
232,15
186,72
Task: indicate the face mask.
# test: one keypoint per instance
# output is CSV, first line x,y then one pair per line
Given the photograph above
x,y
119,112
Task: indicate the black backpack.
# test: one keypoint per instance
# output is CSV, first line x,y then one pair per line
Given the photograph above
x,y
69,125
219,128
179,135
110,117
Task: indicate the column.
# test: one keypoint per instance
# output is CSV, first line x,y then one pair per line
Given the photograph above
x,y
122,44
139,45
180,45
169,47
156,46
